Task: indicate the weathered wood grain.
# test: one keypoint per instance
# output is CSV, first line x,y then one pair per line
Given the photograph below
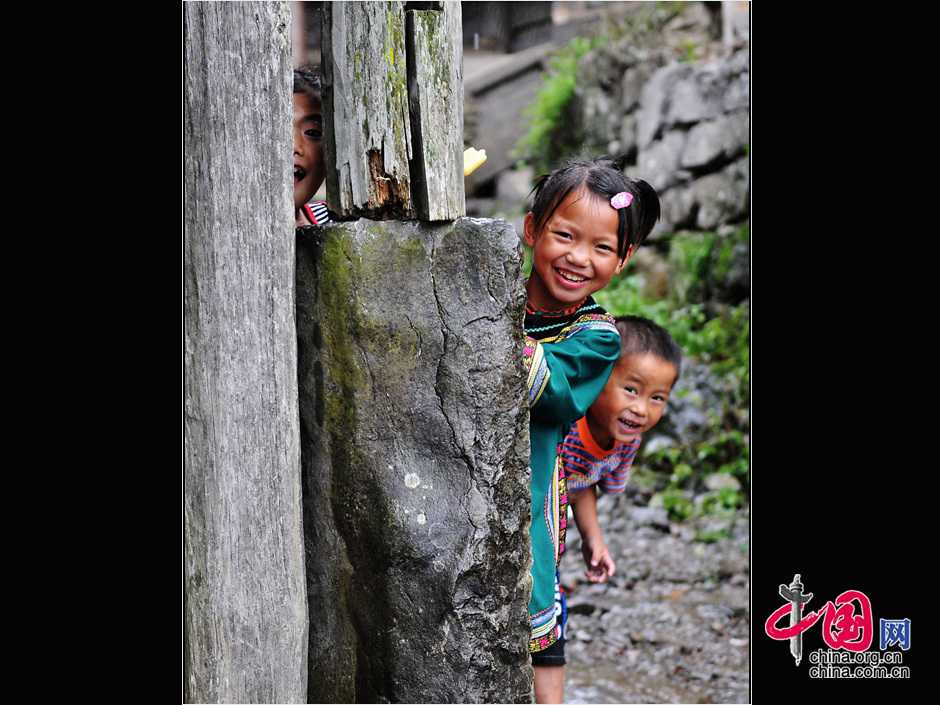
x,y
245,611
435,94
365,104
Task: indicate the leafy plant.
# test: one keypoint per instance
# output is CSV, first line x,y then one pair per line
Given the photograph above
x,y
718,336
644,25
675,502
689,52
550,137
713,535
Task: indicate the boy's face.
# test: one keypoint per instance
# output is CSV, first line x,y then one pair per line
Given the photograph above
x,y
575,254
634,399
308,148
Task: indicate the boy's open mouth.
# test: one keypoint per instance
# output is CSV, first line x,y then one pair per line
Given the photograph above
x,y
630,426
299,173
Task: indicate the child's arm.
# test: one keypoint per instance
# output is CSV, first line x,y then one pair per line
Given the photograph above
x,y
597,559
566,376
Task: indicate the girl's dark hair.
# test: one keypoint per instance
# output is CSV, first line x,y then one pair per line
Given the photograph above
x,y
605,178
307,80
641,335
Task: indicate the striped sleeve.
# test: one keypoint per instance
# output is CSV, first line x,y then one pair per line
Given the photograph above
x,y
317,213
614,479
577,461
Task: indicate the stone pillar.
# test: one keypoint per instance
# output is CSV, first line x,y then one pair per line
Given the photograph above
x,y
415,451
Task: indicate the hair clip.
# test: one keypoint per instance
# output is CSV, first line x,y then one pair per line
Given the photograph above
x,y
621,200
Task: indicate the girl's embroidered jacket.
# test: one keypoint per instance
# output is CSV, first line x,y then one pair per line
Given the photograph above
x,y
569,355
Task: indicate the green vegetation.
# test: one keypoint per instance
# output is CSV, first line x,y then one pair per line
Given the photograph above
x,y
676,502
644,26
718,336
713,535
554,135
689,52
550,137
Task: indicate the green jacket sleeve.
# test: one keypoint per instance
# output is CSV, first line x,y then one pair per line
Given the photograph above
x,y
567,375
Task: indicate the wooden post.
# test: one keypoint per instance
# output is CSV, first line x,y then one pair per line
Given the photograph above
x,y
435,94
298,34
245,613
365,110
393,109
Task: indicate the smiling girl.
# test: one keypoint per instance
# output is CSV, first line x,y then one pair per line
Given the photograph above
x,y
586,221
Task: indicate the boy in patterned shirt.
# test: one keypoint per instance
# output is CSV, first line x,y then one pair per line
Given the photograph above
x,y
600,447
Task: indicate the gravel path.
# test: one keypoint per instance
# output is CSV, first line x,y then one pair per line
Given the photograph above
x,y
672,625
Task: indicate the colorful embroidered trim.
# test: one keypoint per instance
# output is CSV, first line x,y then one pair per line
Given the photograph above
x,y
590,321
561,492
543,628
556,507
563,323
534,360
530,309
544,633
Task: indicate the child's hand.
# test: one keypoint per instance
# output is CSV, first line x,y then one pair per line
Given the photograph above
x,y
600,566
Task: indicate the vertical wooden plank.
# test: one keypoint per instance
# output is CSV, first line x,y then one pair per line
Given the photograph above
x,y
298,35
365,101
435,92
245,613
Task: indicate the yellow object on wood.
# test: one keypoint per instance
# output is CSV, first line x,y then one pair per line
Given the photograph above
x,y
472,159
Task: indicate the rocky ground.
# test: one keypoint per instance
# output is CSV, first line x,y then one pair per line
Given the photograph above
x,y
672,625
